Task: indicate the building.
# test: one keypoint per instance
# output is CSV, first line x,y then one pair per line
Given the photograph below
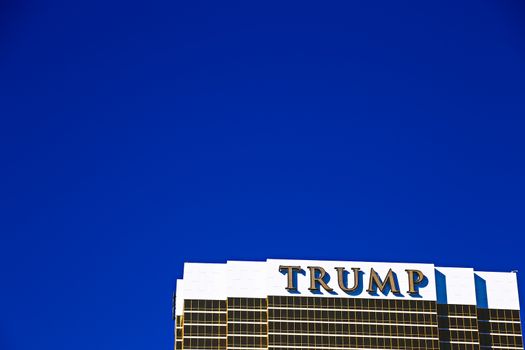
x,y
332,305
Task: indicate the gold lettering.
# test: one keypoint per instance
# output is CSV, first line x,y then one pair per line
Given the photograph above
x,y
290,270
411,282
340,279
375,282
314,280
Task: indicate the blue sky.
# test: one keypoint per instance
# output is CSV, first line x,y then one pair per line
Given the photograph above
x,y
136,136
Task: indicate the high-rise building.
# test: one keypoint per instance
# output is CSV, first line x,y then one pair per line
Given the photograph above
x,y
334,305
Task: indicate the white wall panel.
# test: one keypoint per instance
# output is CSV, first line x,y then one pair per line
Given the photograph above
x,y
455,285
497,290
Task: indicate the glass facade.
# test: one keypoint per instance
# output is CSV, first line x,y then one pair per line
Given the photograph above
x,y
499,329
204,324
458,327
296,322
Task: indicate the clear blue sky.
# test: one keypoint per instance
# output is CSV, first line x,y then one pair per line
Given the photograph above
x,y
139,135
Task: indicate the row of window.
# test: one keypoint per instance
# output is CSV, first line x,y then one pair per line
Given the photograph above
x,y
328,329
360,316
457,322
382,341
315,315
488,340
247,328
513,341
456,309
501,340
246,303
499,327
497,314
247,316
204,305
222,345
358,329
205,330
199,317
327,316
307,347
352,342
352,303
236,315
456,346
204,343
470,336
252,342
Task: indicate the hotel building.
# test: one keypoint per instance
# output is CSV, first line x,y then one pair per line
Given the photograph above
x,y
334,305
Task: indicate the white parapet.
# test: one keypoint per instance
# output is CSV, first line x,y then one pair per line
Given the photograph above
x,y
455,285
497,290
258,279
